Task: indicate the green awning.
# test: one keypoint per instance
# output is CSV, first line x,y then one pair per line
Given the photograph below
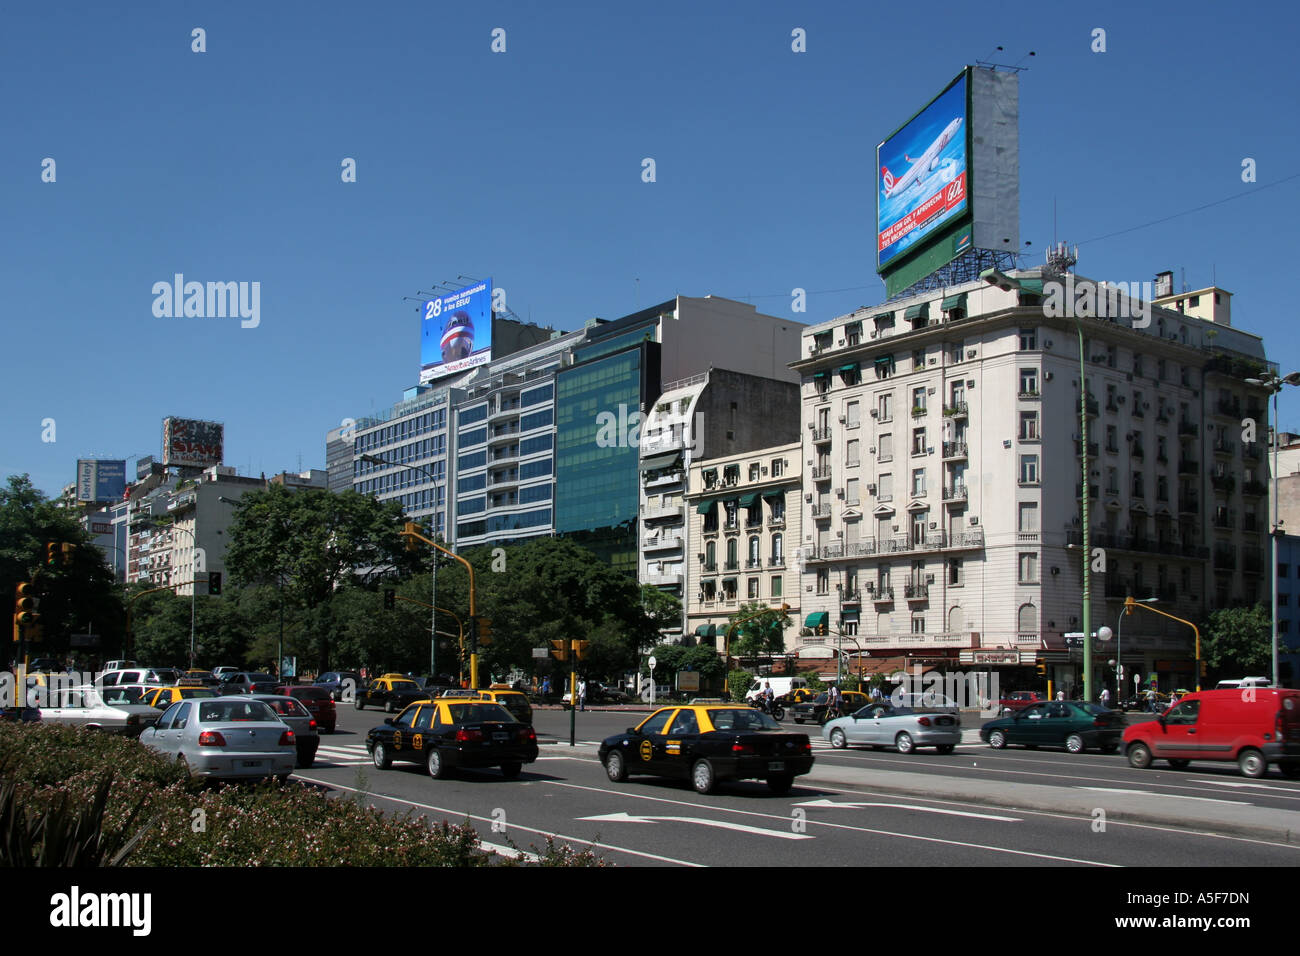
x,y
710,473
954,302
730,577
817,619
1032,285
732,470
879,316
704,507
774,494
884,360
657,462
917,312
747,501
706,630
821,374
851,367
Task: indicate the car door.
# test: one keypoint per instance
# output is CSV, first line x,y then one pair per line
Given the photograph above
x,y
1175,738
1026,725
157,736
864,728
421,729
647,742
404,737
681,743
1060,722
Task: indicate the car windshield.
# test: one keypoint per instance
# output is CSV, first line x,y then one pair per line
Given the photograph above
x,y
309,693
122,695
231,711
405,685
474,713
287,706
190,693
1091,709
259,678
742,719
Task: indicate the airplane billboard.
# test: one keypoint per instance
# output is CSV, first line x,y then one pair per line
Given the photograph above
x,y
922,175
456,331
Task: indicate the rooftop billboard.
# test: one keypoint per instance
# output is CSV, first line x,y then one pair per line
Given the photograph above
x,y
191,443
923,168
456,332
99,480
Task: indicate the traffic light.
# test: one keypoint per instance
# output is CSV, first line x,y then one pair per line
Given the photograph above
x,y
24,608
580,649
409,529
559,650
390,600
68,550
52,555
214,582
1041,667
823,628
1205,668
485,630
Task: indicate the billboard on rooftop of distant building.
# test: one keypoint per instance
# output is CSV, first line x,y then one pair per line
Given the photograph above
x,y
191,443
100,480
456,331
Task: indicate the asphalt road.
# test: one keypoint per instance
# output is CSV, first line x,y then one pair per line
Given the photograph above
x,y
1023,807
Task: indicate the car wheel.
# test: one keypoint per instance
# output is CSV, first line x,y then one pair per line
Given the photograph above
x,y
380,757
436,765
1139,756
1252,764
388,706
904,743
1074,743
838,740
781,783
306,758
358,704
997,740
1180,764
511,769
946,748
702,777
282,778
615,766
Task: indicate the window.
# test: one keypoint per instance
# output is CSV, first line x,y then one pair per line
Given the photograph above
x,y
778,544
1112,441
778,509
958,392
1028,340
1112,481
1029,569
1028,382
918,482
776,586
1029,426
886,407
1029,469
823,580
1160,368
732,516
752,588
918,441
851,415
851,491
918,401
918,624
753,472
711,556
1283,570
778,467
733,561
754,558
918,360
886,449
886,489
954,572
1028,517
1139,487
884,367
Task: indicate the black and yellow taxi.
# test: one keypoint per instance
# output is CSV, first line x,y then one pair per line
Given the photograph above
x,y
391,691
512,700
708,742
164,697
450,732
816,709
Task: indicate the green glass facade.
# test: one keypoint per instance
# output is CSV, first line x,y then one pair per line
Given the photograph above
x,y
597,453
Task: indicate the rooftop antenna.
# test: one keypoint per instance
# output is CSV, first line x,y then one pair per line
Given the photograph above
x,y
988,62
638,295
1061,258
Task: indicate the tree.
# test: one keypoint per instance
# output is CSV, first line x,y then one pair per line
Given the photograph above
x,y
760,636
1237,641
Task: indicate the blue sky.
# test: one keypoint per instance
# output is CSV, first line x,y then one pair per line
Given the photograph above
x,y
526,166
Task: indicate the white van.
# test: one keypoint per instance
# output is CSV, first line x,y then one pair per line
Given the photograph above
x,y
780,686
1243,682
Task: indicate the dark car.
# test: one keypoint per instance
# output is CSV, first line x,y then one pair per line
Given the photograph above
x,y
707,743
342,685
454,732
1071,724
249,682
815,710
391,692
318,702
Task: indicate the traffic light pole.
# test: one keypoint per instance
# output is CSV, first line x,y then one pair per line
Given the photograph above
x,y
411,533
1130,604
459,623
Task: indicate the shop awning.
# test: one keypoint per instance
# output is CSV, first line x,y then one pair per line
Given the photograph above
x,y
747,501
957,301
704,507
656,462
729,577
917,312
816,619
706,630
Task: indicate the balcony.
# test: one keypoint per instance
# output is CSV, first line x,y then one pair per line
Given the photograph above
x,y
1187,466
506,478
753,524
1252,452
916,592
1256,412
1126,542
776,521
1223,447
661,542
956,410
1229,409
821,511
1138,452
731,565
1225,559
1223,520
954,449
1250,522
776,561
882,596
1254,489
505,453
503,434
1093,449
1163,416
1028,393
1187,428
1223,482
662,443
1093,408
653,512
1138,411
955,493
1251,563
919,411
1093,491
821,435
821,473
850,596
662,579
710,567
1189,504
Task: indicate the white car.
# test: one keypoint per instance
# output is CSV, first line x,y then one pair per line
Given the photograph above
x,y
882,725
85,707
225,737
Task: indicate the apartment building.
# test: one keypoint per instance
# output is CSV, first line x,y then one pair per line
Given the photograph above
x,y
943,458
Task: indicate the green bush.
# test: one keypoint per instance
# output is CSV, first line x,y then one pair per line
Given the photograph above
x,y
122,791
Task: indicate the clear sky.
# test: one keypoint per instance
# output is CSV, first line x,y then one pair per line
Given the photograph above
x,y
526,166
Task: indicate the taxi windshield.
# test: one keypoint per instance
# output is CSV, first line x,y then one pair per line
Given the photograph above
x,y
739,718
405,685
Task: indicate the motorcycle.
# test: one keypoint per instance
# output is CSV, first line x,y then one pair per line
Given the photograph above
x,y
773,710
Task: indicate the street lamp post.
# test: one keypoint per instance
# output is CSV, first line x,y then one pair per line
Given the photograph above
x,y
1273,384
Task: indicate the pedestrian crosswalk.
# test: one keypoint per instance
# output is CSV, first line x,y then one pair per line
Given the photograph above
x,y
342,755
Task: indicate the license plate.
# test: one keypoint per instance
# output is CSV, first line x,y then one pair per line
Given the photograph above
x,y
500,738
248,764
776,765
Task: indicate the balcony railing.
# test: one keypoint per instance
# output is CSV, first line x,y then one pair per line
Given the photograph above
x,y
916,592
1128,542
1222,447
851,596
955,493
776,561
954,449
867,547
1252,452
1092,448
821,473
753,564
1189,504
1223,482
821,511
1225,558
1228,409
882,595
1186,466
1187,428
1249,522
919,411
1255,489
956,410
821,434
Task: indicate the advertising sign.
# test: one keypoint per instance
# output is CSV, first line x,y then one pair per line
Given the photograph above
x,y
192,443
456,332
99,480
923,169
996,657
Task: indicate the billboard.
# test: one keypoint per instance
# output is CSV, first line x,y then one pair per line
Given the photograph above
x,y
191,443
456,331
923,168
100,480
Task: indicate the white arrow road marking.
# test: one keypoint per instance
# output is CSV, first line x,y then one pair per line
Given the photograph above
x,y
910,806
1165,796
1257,786
720,824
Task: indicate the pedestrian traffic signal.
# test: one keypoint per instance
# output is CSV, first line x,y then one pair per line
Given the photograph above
x,y
214,582
52,554
409,530
560,650
67,550
1041,668
580,649
390,600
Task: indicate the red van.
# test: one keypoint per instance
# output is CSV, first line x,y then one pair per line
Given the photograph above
x,y
1255,726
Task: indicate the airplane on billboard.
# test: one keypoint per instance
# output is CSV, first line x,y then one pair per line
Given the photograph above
x,y
925,164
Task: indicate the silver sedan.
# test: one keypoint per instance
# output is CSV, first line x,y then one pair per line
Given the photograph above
x,y
906,728
224,737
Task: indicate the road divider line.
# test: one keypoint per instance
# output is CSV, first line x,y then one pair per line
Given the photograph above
x,y
831,804
1164,796
720,824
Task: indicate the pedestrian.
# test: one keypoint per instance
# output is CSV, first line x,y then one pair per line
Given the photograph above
x,y
1060,695
582,694
1105,697
546,688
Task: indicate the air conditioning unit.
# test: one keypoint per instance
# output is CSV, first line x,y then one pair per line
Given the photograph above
x,y
871,489
1121,400
929,579
974,519
812,426
871,450
934,361
929,391
1047,376
841,343
808,497
933,525
970,383
807,587
839,492
873,335
875,413
935,322
810,462
1047,344
970,353
763,470
843,419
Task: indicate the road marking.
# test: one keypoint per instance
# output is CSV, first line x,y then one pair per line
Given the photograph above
x,y
720,824
513,825
509,851
1258,786
1165,796
841,826
909,806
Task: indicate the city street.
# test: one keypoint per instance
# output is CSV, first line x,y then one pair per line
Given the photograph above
x,y
977,806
